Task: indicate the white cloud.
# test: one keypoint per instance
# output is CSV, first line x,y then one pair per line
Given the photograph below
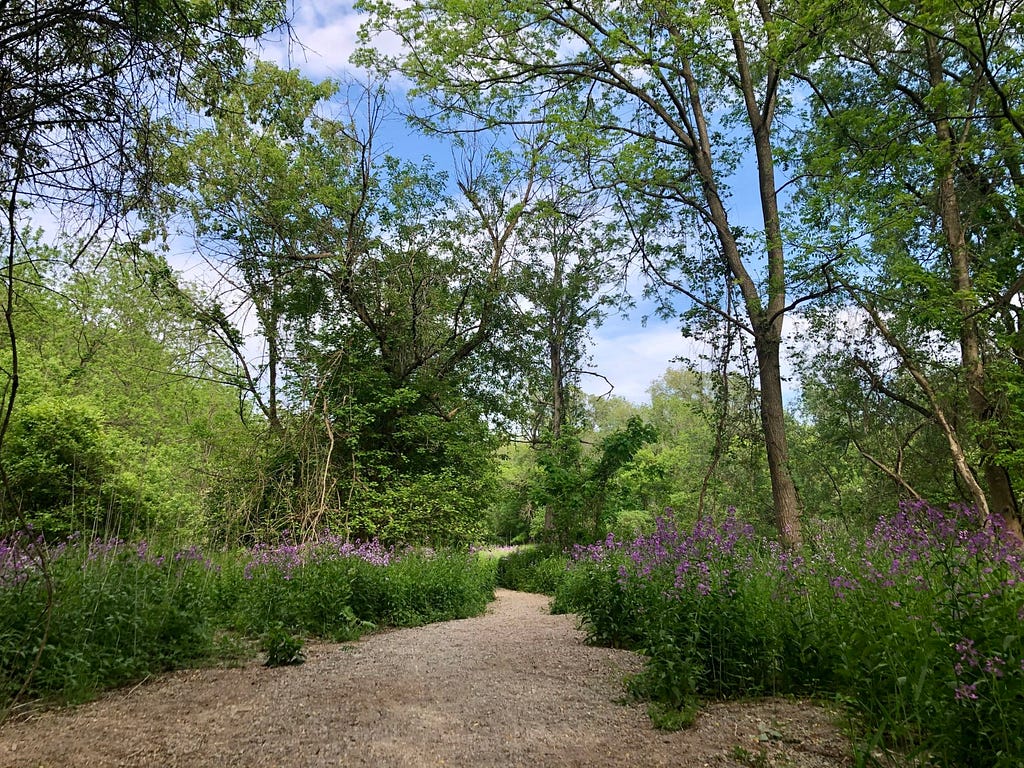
x,y
322,39
634,357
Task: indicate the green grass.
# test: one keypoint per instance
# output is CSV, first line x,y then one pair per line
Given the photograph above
x,y
121,612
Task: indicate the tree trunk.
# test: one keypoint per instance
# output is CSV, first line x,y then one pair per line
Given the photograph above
x,y
773,421
765,327
1001,498
557,389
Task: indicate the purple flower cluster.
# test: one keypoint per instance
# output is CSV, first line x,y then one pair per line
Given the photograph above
x,y
987,669
699,561
21,553
104,550
921,533
288,555
19,558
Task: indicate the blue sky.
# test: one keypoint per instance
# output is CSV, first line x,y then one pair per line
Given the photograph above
x,y
625,350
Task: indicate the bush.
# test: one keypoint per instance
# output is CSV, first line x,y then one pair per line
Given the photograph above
x,y
63,470
537,569
282,647
915,627
338,591
631,523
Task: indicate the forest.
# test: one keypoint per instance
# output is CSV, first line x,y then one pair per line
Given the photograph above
x,y
242,321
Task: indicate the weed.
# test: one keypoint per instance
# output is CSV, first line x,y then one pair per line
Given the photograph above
x,y
282,647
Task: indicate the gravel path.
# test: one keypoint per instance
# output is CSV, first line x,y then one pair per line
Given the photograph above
x,y
515,687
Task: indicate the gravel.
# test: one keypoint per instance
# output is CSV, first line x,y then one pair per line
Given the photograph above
x,y
514,687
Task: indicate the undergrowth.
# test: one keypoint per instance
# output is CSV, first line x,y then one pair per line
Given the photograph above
x,y
122,611
538,569
915,628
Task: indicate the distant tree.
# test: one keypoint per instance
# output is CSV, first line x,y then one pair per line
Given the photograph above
x,y
634,92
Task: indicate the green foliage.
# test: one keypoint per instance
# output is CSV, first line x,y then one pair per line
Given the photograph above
x,y
117,396
436,587
631,523
667,718
118,614
62,470
573,493
341,598
282,647
914,627
381,303
78,133
440,510
121,612
537,569
560,497
512,510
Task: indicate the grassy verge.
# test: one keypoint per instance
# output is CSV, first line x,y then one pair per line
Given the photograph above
x,y
122,611
915,628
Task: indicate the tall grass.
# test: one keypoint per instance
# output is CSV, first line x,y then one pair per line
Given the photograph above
x,y
121,611
916,627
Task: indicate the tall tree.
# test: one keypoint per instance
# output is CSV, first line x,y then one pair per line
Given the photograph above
x,y
937,207
570,280
377,295
270,173
81,84
659,99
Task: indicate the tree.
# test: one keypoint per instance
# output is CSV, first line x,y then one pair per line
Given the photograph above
x,y
383,303
123,421
567,285
938,209
870,440
269,174
82,81
634,91
81,84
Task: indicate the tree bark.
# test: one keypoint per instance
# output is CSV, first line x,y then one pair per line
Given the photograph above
x,y
773,421
1000,495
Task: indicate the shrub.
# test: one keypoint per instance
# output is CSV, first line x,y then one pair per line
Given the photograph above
x,y
337,590
282,647
537,569
915,627
63,469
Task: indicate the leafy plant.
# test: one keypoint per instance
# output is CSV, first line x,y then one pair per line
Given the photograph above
x,y
281,646
123,611
914,627
532,569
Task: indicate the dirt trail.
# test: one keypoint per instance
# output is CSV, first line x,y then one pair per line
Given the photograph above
x,y
515,687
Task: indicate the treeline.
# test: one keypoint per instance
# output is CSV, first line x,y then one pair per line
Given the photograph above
x,y
385,349
134,418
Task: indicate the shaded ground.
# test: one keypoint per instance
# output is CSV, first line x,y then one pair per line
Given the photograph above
x,y
515,687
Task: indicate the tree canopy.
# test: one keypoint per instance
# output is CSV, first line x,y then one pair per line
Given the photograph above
x,y
824,197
